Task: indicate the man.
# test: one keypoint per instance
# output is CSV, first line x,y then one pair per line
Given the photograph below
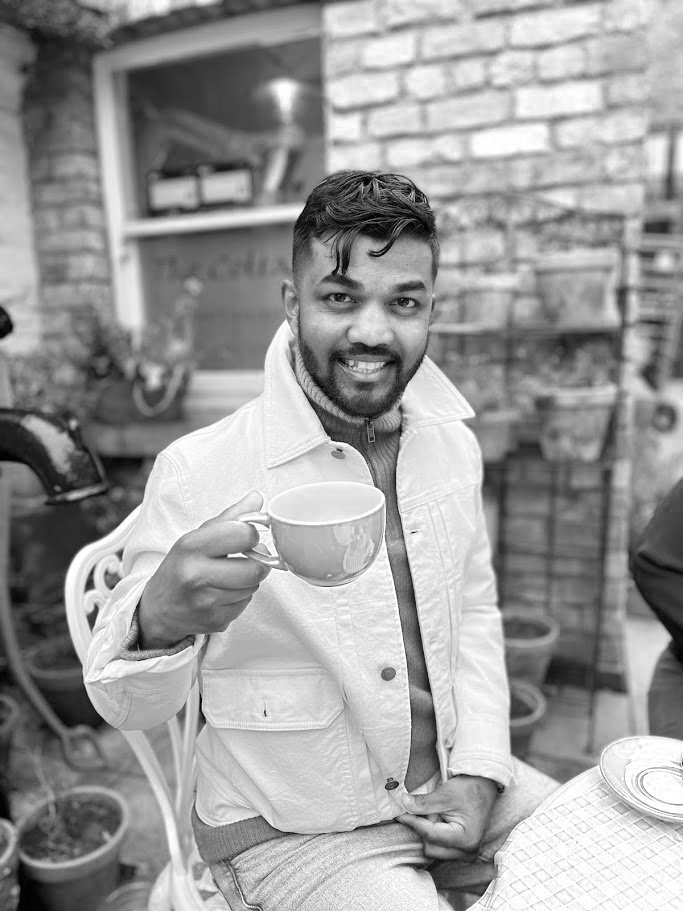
x,y
354,735
657,570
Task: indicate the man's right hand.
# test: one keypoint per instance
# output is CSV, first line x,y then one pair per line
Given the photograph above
x,y
198,589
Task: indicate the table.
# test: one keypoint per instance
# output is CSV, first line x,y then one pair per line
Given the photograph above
x,y
585,850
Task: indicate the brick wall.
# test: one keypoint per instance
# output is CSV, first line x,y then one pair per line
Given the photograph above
x,y
503,111
18,271
70,238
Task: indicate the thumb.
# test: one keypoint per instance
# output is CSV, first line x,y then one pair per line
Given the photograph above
x,y
424,804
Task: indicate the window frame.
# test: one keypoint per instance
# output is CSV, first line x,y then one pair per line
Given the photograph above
x,y
220,389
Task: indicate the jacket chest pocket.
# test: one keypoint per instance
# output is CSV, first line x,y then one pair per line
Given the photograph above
x,y
284,732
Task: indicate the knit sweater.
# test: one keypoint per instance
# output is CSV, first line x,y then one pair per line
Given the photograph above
x,y
377,441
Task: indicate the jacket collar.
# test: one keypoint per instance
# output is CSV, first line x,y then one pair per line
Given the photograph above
x,y
293,428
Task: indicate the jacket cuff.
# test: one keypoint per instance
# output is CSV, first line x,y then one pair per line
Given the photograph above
x,y
131,651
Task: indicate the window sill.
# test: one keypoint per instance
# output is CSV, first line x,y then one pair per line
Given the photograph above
x,y
214,220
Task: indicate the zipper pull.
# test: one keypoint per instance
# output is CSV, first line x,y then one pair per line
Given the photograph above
x,y
370,430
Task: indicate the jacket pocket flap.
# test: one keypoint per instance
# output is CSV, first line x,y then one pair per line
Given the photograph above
x,y
278,700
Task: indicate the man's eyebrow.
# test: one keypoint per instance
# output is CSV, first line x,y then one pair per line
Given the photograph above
x,y
416,285
338,278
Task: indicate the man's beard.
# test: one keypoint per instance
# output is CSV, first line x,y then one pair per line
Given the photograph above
x,y
359,404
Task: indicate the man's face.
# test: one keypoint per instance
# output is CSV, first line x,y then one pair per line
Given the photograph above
x,y
363,334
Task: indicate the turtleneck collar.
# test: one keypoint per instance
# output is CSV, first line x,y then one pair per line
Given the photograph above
x,y
332,415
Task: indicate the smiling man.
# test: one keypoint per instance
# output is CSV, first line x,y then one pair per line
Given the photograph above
x,y
385,752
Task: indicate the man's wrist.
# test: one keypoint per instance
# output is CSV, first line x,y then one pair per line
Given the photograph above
x,y
151,634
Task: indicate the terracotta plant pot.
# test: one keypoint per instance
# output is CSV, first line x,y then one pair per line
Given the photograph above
x,y
575,422
9,861
529,645
487,300
527,709
58,674
577,287
62,879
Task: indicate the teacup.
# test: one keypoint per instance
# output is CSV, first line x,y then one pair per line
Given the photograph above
x,y
326,533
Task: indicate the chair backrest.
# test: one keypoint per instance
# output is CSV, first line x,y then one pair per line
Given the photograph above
x,y
90,579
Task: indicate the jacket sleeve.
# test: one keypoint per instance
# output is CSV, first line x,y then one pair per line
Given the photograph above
x,y
139,694
657,564
482,696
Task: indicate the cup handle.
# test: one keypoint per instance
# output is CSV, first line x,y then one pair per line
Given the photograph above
x,y
271,560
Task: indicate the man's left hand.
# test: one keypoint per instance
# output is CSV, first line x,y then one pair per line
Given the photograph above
x,y
452,819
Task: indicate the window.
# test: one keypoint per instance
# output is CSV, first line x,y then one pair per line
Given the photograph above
x,y
210,140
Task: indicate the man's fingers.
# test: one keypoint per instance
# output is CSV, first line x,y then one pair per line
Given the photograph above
x,y
438,852
233,573
444,834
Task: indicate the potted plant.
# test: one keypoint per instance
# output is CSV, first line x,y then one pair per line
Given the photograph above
x,y
69,847
9,885
577,287
527,710
487,299
145,377
58,674
574,422
529,644
571,392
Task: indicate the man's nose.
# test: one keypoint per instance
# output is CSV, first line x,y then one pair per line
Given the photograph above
x,y
371,326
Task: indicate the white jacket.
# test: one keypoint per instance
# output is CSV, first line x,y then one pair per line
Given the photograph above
x,y
301,726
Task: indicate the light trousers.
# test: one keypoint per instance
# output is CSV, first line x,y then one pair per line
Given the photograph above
x,y
373,868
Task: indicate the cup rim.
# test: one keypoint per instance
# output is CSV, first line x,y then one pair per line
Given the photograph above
x,y
271,509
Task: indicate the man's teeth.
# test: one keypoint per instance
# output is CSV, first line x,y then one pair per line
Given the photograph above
x,y
365,366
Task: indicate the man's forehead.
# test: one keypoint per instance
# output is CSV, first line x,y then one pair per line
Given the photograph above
x,y
324,253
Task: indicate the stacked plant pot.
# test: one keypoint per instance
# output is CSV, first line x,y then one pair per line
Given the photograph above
x,y
577,291
529,644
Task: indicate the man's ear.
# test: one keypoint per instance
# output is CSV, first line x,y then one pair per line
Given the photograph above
x,y
290,299
432,312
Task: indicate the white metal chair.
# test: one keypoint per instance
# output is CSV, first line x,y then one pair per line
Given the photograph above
x,y
89,581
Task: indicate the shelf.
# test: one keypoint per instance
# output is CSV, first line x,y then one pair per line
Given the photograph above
x,y
520,331
214,220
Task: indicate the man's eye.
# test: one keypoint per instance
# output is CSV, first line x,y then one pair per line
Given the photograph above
x,y
406,303
339,297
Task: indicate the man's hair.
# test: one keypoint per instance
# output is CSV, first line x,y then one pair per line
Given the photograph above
x,y
349,203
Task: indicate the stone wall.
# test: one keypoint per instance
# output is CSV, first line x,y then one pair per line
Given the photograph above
x,y
505,112
68,214
18,271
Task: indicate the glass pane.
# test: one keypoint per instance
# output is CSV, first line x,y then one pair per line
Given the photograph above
x,y
239,307
244,127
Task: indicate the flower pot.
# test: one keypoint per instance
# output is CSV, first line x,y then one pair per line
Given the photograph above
x,y
574,422
9,717
72,863
577,287
58,674
495,433
527,709
9,861
487,300
529,645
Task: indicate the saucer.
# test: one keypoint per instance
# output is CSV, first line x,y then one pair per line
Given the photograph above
x,y
647,774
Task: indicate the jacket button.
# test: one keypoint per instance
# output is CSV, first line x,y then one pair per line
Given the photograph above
x,y
337,454
391,784
388,673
